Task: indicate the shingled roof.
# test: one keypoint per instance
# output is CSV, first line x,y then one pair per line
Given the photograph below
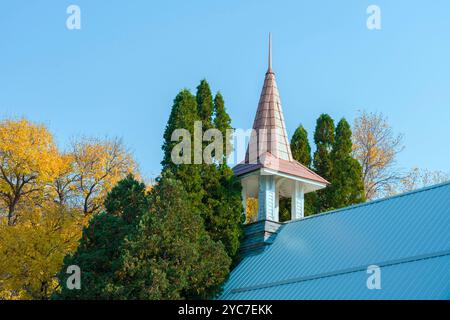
x,y
269,123
269,146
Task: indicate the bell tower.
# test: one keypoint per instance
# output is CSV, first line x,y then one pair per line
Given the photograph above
x,y
269,171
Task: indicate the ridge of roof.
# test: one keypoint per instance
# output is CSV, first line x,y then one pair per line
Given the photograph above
x,y
368,203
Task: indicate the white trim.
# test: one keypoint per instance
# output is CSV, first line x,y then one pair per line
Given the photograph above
x,y
286,175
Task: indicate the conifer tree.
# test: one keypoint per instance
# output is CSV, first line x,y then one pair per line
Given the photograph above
x,y
212,188
98,254
171,256
301,150
205,104
347,183
323,165
222,122
183,115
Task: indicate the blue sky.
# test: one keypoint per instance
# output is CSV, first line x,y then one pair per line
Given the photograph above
x,y
118,75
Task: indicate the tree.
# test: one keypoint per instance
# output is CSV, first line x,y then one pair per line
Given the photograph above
x,y
205,107
251,210
301,151
323,165
419,178
347,185
376,146
171,256
98,165
212,188
62,188
32,251
29,160
222,122
183,116
99,252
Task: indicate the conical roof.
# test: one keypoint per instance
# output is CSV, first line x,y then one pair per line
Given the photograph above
x,y
269,144
269,128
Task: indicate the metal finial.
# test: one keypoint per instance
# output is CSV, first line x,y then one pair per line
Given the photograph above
x,y
270,52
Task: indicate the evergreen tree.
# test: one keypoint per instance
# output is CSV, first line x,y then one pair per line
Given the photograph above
x,y
171,256
347,182
212,188
301,151
98,254
205,105
222,121
183,115
323,165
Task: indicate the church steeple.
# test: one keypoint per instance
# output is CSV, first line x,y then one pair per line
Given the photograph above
x,y
269,171
269,125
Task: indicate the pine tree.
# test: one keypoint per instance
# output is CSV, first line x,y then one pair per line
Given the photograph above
x,y
347,182
98,254
323,165
171,256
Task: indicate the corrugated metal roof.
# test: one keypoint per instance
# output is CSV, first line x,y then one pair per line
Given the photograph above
x,y
326,256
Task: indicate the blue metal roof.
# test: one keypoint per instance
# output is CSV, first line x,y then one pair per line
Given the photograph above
x,y
326,256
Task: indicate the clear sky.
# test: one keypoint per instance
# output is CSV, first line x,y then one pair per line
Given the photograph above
x,y
118,75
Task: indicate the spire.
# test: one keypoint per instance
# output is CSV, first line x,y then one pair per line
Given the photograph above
x,y
269,123
270,53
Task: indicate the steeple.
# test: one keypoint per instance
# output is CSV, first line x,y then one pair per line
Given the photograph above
x,y
269,123
269,171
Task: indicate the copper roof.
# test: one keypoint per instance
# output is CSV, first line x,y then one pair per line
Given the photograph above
x,y
270,144
270,130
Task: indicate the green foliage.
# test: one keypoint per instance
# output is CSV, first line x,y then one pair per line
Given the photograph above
x,y
183,116
171,256
323,164
347,182
212,188
334,162
301,151
324,139
127,199
98,254
222,121
205,105
222,207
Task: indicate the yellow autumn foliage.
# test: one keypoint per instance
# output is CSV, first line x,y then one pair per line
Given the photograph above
x,y
46,197
29,159
32,251
252,210
99,165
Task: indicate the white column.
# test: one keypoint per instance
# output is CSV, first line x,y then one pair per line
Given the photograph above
x,y
266,198
276,213
297,201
